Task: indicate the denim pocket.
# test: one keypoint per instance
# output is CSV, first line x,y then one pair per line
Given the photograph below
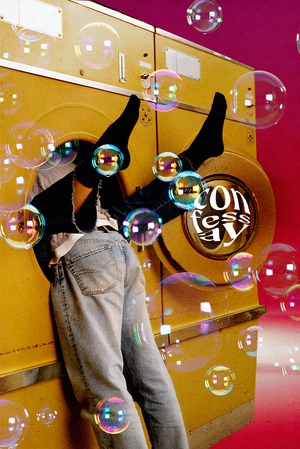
x,y
95,270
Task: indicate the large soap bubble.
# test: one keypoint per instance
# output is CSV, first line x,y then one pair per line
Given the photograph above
x,y
165,90
142,226
97,45
31,144
166,166
107,160
15,188
204,15
279,269
186,188
22,228
258,99
113,415
14,422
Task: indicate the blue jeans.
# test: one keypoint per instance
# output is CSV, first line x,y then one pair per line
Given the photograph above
x,y
98,297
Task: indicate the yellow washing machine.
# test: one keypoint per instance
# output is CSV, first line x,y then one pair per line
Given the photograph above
x,y
52,83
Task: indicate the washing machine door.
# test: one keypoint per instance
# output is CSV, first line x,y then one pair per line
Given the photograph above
x,y
237,215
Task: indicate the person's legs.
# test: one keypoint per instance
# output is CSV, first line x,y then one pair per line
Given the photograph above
x,y
98,298
145,370
88,299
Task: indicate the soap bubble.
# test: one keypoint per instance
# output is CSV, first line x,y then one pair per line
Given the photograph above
x,y
31,144
219,380
7,169
26,34
9,98
166,166
165,90
107,160
22,228
97,45
240,272
174,357
186,188
298,40
258,99
279,269
46,416
249,340
37,53
112,415
204,15
142,226
15,192
140,334
147,264
291,304
63,154
14,422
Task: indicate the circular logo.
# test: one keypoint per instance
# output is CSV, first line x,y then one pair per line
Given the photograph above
x,y
223,221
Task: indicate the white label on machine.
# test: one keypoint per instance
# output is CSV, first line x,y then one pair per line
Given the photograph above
x,y
183,64
33,15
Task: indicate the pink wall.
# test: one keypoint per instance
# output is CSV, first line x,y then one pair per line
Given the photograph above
x,y
262,34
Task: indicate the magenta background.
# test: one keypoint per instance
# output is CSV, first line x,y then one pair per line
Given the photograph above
x,y
262,34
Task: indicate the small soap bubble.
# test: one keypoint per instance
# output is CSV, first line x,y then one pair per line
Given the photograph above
x,y
7,169
23,228
9,98
46,416
249,340
205,15
240,272
14,422
147,264
113,415
220,380
165,91
187,188
174,357
258,99
290,305
166,166
97,45
15,192
31,144
279,269
142,226
107,160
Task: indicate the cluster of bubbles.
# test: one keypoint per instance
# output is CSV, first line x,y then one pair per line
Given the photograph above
x,y
205,15
15,421
113,415
276,270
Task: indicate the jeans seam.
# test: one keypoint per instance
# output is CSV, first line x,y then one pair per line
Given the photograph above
x,y
70,333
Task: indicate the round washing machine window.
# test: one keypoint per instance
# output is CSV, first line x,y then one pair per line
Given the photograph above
x,y
224,222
